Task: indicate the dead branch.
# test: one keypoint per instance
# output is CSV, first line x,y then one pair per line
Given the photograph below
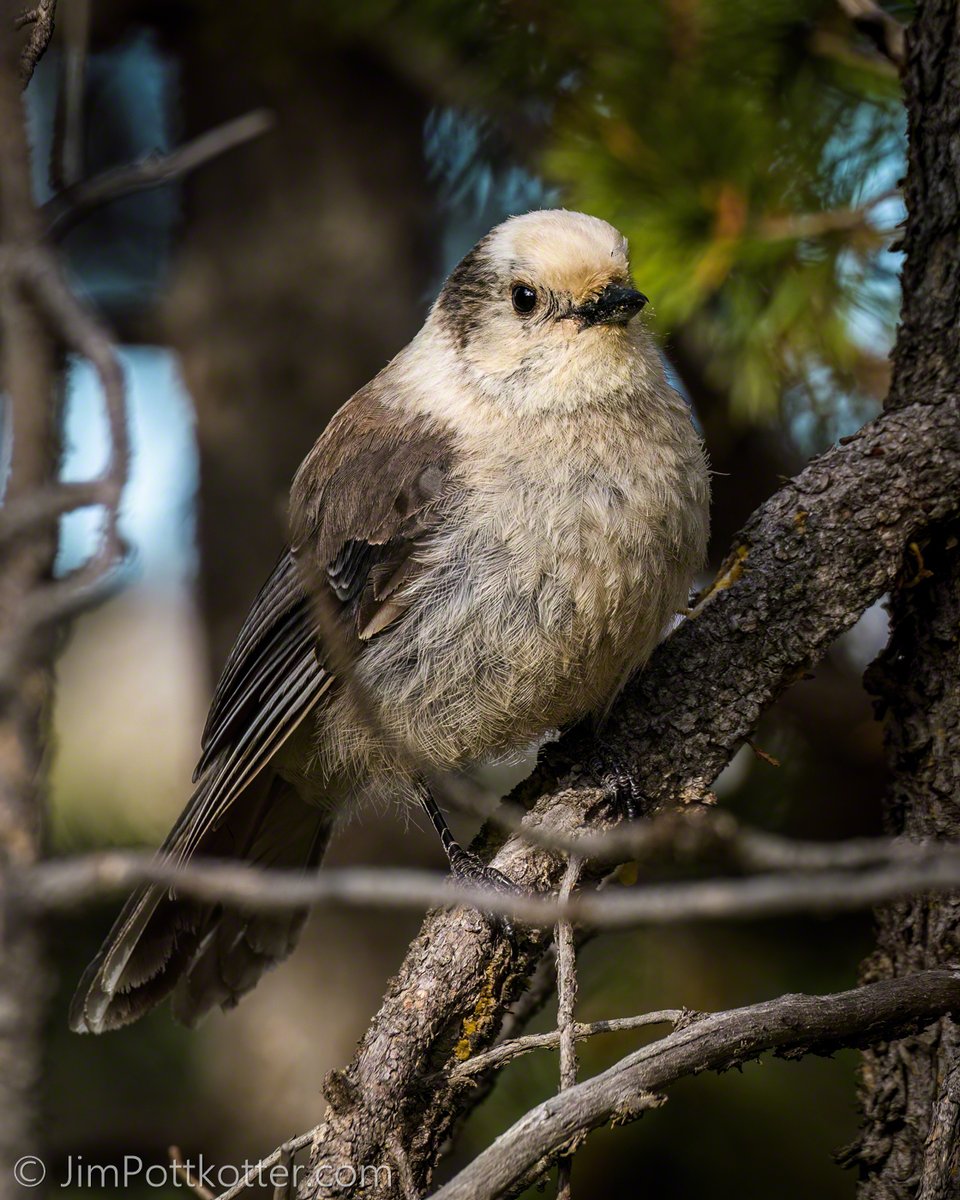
x,y
692,832
182,1172
71,205
507,1051
28,373
41,17
566,1010
791,1026
60,885
67,150
255,1174
31,266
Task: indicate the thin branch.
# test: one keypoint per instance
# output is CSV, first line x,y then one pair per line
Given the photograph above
x,y
67,152
698,833
79,329
25,18
254,1174
835,220
42,18
59,885
790,1027
284,1186
74,203
566,1011
42,506
507,1051
883,29
182,1172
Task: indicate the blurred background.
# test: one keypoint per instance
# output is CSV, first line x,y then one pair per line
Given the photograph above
x,y
750,150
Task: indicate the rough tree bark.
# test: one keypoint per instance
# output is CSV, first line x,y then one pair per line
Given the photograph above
x,y
910,1090
28,381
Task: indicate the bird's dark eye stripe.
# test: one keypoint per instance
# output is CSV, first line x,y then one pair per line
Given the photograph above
x,y
524,298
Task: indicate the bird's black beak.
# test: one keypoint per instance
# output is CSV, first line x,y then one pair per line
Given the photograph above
x,y
615,305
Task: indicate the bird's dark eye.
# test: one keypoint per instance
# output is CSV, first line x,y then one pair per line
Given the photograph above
x,y
524,299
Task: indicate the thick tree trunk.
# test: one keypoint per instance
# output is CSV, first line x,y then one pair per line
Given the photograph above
x,y
910,1090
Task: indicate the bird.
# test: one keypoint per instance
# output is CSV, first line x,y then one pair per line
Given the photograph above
x,y
496,531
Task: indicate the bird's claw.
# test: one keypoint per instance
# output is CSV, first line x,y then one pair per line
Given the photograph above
x,y
467,867
620,786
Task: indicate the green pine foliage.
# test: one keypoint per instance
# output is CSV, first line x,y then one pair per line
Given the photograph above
x,y
736,143
742,145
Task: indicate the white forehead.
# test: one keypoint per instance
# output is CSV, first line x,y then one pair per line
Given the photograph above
x,y
566,250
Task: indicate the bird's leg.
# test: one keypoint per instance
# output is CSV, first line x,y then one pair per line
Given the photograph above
x,y
464,864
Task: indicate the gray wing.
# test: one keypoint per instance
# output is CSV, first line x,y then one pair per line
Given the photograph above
x,y
370,510
272,680
358,517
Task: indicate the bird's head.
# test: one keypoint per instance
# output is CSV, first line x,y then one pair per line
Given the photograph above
x,y
541,311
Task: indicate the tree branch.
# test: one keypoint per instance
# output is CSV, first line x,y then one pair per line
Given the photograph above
x,y
74,203
821,550
790,1026
28,373
566,1010
32,267
41,17
60,885
507,1051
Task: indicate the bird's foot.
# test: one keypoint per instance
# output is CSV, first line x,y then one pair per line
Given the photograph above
x,y
620,786
467,867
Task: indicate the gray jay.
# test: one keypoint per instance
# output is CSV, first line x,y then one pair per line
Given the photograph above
x,y
503,523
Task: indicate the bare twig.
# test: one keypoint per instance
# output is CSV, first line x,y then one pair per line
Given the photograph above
x,y
254,1175
41,18
74,203
81,331
28,373
67,153
566,1011
790,1026
835,220
61,885
699,833
706,836
182,1172
283,1188
78,328
507,1051
42,506
883,29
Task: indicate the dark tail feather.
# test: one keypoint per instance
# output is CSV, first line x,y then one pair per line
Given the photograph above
x,y
237,947
206,955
